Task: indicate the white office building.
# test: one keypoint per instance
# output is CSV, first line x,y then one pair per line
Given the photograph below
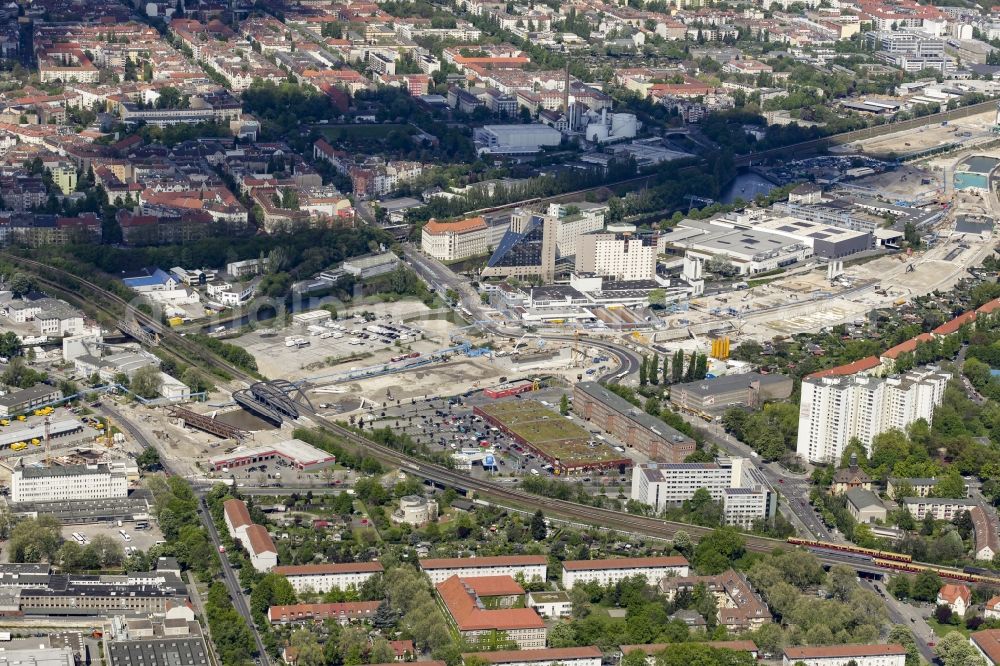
x,y
736,482
531,567
833,410
621,256
607,572
68,483
325,577
452,241
575,220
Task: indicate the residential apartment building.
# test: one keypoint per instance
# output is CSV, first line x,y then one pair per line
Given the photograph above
x,y
237,518
254,538
842,655
570,656
342,613
833,410
608,572
260,547
987,644
913,487
452,241
939,508
490,629
325,577
739,607
530,567
621,256
745,494
68,483
630,424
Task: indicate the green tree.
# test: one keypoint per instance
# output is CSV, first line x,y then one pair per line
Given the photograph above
x,y
954,649
20,284
146,382
677,366
951,486
564,405
308,651
654,369
717,551
643,371
538,528
10,345
926,586
271,590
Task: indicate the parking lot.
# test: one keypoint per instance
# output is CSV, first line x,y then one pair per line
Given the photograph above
x,y
448,425
141,539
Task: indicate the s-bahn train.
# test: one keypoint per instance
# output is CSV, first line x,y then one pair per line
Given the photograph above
x,y
850,549
900,562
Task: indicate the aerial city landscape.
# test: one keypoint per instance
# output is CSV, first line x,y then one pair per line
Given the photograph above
x,y
499,333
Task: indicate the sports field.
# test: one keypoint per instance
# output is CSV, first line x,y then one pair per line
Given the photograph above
x,y
552,436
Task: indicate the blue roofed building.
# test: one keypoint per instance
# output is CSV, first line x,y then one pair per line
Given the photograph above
x,y
150,278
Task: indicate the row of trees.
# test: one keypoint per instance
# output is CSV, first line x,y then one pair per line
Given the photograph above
x,y
675,370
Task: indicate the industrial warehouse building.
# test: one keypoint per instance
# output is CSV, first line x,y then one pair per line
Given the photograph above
x,y
19,402
515,139
629,424
371,265
304,457
712,396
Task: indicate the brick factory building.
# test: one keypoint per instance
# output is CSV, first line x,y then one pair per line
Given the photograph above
x,y
630,424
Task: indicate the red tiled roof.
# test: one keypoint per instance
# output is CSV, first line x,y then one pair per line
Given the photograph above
x,y
553,655
237,511
952,326
462,606
321,569
347,609
867,363
987,308
906,347
993,603
626,563
260,540
655,648
818,652
459,227
989,642
497,561
952,592
494,586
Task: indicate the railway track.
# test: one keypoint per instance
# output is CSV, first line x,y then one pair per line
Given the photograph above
x,y
187,351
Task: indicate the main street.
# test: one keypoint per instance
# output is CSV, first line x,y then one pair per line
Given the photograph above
x,y
792,486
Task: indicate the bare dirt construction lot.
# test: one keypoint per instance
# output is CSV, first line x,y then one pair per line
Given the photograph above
x,y
966,131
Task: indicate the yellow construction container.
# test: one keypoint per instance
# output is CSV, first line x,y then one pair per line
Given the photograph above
x,y
720,348
175,321
18,446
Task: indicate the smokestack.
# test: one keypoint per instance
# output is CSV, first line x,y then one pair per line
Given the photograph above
x,y
566,89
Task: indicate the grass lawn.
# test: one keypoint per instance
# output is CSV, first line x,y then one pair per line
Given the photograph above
x,y
363,131
942,630
549,432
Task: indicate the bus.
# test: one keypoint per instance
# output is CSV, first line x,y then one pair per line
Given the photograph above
x,y
621,375
125,537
